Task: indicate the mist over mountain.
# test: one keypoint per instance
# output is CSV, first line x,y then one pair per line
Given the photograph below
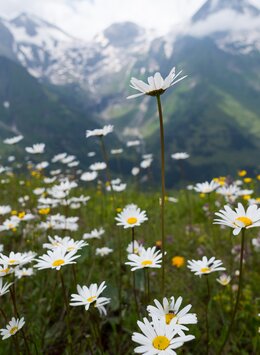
x,y
213,114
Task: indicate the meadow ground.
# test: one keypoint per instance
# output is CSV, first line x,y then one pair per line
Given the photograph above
x,y
52,326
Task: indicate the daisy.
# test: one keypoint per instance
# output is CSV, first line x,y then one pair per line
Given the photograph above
x,y
90,295
133,143
5,270
98,166
156,84
205,266
206,187
95,233
131,216
103,251
100,132
12,328
17,258
19,273
5,209
148,258
4,288
180,156
170,311
13,140
55,259
68,243
224,279
134,248
240,218
58,157
158,338
36,148
89,176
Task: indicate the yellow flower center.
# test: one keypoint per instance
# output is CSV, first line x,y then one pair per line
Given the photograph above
x,y
58,262
91,299
70,248
131,220
5,270
146,262
12,261
245,220
161,342
169,317
13,330
204,269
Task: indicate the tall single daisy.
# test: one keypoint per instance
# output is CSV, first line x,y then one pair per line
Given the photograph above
x,y
12,327
205,266
158,338
88,296
206,187
240,218
156,86
148,258
131,217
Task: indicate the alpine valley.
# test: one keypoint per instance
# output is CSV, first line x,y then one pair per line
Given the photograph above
x,y
59,86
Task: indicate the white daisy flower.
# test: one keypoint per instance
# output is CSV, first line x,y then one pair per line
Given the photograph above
x,y
116,151
58,157
13,140
103,251
180,156
158,338
100,132
206,187
12,328
90,295
205,266
89,176
170,311
148,258
133,143
156,84
94,234
36,148
5,209
5,270
17,258
131,217
68,243
19,273
134,247
224,279
4,288
98,166
55,259
240,218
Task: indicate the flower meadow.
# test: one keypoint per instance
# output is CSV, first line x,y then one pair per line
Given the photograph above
x,y
91,264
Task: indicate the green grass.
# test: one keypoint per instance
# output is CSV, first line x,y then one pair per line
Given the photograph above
x,y
189,233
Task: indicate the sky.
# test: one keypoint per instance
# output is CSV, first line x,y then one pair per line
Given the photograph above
x,y
85,18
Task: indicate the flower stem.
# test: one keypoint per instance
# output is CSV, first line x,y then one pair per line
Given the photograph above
x,y
67,311
238,292
207,315
105,157
134,281
163,188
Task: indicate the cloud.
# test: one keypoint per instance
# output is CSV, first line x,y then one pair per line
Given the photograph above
x,y
226,20
85,18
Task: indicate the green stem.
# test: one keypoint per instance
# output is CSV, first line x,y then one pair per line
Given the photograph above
x,y
163,188
67,311
133,272
207,316
105,156
238,292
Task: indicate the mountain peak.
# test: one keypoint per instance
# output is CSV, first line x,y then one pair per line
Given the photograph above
x,y
123,33
214,6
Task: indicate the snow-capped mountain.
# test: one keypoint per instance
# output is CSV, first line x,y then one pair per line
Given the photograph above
x,y
234,24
